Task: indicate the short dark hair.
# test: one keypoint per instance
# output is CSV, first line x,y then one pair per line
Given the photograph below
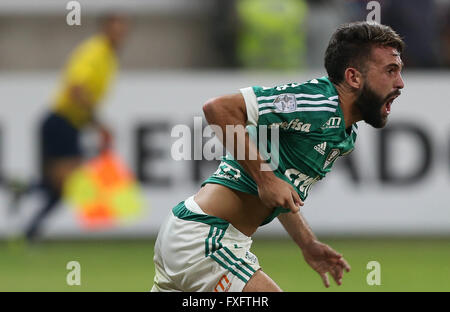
x,y
351,44
106,18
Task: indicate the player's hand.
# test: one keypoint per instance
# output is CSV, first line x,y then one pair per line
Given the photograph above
x,y
275,192
323,259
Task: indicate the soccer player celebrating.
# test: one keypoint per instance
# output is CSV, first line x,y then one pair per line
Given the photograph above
x,y
204,244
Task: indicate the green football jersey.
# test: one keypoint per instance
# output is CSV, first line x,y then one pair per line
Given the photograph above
x,y
311,136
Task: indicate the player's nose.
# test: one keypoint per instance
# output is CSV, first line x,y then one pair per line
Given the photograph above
x,y
399,83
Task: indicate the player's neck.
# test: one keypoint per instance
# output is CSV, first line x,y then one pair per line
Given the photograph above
x,y
347,100
111,42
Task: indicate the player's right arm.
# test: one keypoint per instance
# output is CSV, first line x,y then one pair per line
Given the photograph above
x,y
232,110
81,96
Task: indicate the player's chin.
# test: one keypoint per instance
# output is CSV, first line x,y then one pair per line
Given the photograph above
x,y
379,122
383,118
382,123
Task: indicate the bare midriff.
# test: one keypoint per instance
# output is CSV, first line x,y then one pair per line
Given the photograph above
x,y
244,211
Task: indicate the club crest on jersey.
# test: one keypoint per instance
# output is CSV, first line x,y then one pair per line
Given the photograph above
x,y
285,103
334,153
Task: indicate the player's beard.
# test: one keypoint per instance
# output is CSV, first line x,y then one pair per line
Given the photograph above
x,y
369,104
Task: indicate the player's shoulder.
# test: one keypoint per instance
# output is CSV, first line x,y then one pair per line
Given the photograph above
x,y
318,88
313,102
95,42
91,48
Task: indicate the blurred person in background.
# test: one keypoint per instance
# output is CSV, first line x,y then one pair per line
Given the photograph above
x,y
271,33
224,30
322,19
443,9
86,79
418,22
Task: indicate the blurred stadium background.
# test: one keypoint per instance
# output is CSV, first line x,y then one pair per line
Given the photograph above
x,y
388,201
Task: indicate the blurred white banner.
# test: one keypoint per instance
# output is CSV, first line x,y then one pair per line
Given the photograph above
x,y
397,181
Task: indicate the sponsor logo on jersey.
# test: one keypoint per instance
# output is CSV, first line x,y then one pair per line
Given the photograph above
x,y
331,157
285,103
332,123
223,285
228,172
294,124
300,180
321,147
250,257
285,86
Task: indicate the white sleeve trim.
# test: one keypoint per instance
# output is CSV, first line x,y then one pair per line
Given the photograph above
x,y
251,105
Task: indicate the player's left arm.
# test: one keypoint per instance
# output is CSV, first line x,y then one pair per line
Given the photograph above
x,y
321,257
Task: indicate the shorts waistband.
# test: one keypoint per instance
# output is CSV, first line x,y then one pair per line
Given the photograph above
x,y
193,206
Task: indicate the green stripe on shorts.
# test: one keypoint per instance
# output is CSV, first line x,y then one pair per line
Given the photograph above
x,y
239,259
234,263
245,280
236,266
211,230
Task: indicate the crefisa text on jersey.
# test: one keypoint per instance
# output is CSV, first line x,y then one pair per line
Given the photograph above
x,y
230,301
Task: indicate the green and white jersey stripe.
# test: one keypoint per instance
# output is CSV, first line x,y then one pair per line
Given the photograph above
x,y
304,103
312,134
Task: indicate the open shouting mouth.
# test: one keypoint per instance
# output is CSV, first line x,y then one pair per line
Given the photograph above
x,y
388,104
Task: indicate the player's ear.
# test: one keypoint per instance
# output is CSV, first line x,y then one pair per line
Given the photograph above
x,y
353,77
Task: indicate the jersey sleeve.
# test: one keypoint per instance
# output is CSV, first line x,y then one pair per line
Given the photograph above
x,y
251,106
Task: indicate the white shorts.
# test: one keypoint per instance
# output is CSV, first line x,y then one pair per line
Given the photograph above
x,y
198,252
